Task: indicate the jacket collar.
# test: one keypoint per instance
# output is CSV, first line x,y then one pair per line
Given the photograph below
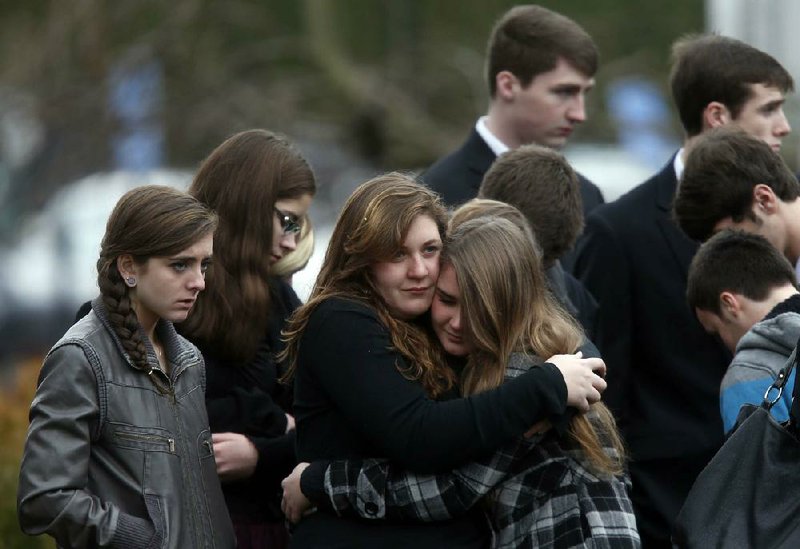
x,y
667,185
556,277
176,351
478,155
681,245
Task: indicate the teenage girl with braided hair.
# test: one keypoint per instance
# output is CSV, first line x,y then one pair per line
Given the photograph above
x,y
119,453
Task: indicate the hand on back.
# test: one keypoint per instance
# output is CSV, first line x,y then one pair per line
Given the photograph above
x,y
583,378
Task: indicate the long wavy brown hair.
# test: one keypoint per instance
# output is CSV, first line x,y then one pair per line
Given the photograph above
x,y
371,227
507,307
241,180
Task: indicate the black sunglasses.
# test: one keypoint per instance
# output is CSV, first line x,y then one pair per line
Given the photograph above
x,y
289,223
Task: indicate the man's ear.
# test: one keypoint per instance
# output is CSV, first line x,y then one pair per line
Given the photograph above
x,y
715,115
730,305
764,199
506,85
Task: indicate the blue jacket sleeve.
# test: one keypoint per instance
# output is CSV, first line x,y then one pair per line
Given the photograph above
x,y
733,397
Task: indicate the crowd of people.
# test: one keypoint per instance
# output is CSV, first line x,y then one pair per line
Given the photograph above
x,y
530,368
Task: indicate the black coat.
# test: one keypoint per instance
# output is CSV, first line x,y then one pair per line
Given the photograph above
x,y
664,371
248,399
457,176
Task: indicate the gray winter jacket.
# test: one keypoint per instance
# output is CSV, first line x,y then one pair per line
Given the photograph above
x,y
760,355
111,459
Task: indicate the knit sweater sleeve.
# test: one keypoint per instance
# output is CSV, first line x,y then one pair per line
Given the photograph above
x,y
348,351
276,457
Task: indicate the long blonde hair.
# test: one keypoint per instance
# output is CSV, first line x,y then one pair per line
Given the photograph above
x,y
297,259
371,227
507,307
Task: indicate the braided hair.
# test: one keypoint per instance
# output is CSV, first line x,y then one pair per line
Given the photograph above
x,y
148,221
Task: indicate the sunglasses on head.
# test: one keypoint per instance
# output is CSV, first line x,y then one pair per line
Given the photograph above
x,y
289,223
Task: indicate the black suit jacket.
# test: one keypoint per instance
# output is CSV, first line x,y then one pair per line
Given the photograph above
x,y
457,176
664,371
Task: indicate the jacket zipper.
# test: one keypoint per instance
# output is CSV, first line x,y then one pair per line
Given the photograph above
x,y
195,515
170,442
164,385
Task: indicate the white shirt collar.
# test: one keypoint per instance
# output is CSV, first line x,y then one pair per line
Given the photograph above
x,y
497,146
677,164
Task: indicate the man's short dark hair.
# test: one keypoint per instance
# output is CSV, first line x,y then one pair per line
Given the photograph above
x,y
529,40
722,168
738,262
541,184
709,67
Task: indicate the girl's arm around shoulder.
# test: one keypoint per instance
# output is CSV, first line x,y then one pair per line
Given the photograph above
x,y
378,489
348,352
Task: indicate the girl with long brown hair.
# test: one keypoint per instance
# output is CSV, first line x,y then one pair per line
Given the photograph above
x,y
261,187
366,372
557,489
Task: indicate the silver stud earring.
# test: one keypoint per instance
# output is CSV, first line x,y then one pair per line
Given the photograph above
x,y
130,281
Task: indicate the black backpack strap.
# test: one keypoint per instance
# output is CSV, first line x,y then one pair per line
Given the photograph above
x,y
775,390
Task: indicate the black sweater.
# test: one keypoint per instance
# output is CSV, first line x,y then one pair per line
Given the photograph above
x,y
352,401
247,399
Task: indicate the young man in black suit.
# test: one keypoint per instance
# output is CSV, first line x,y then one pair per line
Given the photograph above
x,y
540,65
664,371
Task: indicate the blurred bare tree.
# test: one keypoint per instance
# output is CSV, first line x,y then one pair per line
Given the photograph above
x,y
397,82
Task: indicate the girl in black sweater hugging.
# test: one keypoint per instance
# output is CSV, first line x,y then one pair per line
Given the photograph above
x,y
492,309
261,188
369,382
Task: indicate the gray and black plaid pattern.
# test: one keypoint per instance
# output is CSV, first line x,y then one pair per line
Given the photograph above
x,y
539,493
